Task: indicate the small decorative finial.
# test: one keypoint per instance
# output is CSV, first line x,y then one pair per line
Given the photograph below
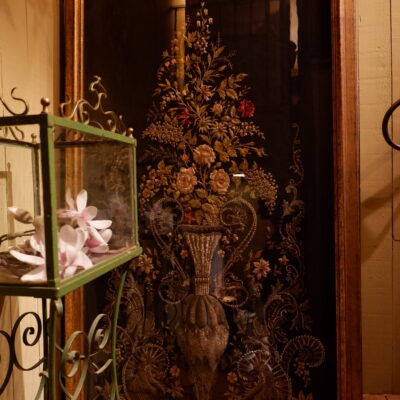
x,y
130,132
45,102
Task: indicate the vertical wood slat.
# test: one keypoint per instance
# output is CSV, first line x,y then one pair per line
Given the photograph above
x,y
73,35
395,37
347,211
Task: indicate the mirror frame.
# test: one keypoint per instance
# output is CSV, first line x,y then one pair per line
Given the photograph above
x,y
346,181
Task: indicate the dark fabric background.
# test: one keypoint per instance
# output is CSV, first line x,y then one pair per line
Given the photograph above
x,y
123,44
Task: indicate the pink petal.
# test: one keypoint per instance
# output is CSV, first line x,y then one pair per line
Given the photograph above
x,y
36,275
26,258
81,200
101,223
69,200
89,213
95,238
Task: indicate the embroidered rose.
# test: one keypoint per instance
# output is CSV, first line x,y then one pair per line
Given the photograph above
x,y
204,155
186,180
219,181
246,109
217,109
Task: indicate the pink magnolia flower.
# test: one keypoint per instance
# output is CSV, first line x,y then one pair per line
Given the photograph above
x,y
70,251
97,242
82,214
37,274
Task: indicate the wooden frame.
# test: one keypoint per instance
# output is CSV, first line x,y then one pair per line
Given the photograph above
x,y
347,201
346,165
71,49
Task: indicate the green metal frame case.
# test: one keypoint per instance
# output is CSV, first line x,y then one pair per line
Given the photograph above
x,y
55,287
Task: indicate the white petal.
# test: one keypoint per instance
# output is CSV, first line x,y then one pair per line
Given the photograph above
x,y
21,215
68,235
106,235
89,213
80,238
26,258
82,260
69,200
94,237
103,248
101,223
81,200
69,271
37,245
66,214
36,275
38,223
82,224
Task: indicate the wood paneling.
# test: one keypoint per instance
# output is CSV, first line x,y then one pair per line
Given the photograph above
x,y
29,44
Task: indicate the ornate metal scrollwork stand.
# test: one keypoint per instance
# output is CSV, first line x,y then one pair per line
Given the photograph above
x,y
99,357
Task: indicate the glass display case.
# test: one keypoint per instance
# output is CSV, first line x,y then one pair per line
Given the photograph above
x,y
71,206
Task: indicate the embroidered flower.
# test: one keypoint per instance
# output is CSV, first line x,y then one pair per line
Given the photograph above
x,y
185,118
261,268
204,91
204,155
232,377
219,181
174,371
186,180
217,109
145,264
246,109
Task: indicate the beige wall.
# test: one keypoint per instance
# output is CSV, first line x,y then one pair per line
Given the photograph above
x,y
28,60
379,57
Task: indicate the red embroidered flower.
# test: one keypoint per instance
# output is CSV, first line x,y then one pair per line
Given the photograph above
x,y
246,109
188,217
184,117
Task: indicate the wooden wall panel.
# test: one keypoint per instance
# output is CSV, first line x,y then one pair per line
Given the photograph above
x,y
29,60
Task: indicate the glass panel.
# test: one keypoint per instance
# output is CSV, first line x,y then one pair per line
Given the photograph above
x,y
208,314
94,186
22,237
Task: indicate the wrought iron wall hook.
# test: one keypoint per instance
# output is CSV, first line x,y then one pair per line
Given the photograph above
x,y
5,105
385,125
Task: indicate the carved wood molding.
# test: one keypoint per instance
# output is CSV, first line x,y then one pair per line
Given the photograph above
x,y
347,202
